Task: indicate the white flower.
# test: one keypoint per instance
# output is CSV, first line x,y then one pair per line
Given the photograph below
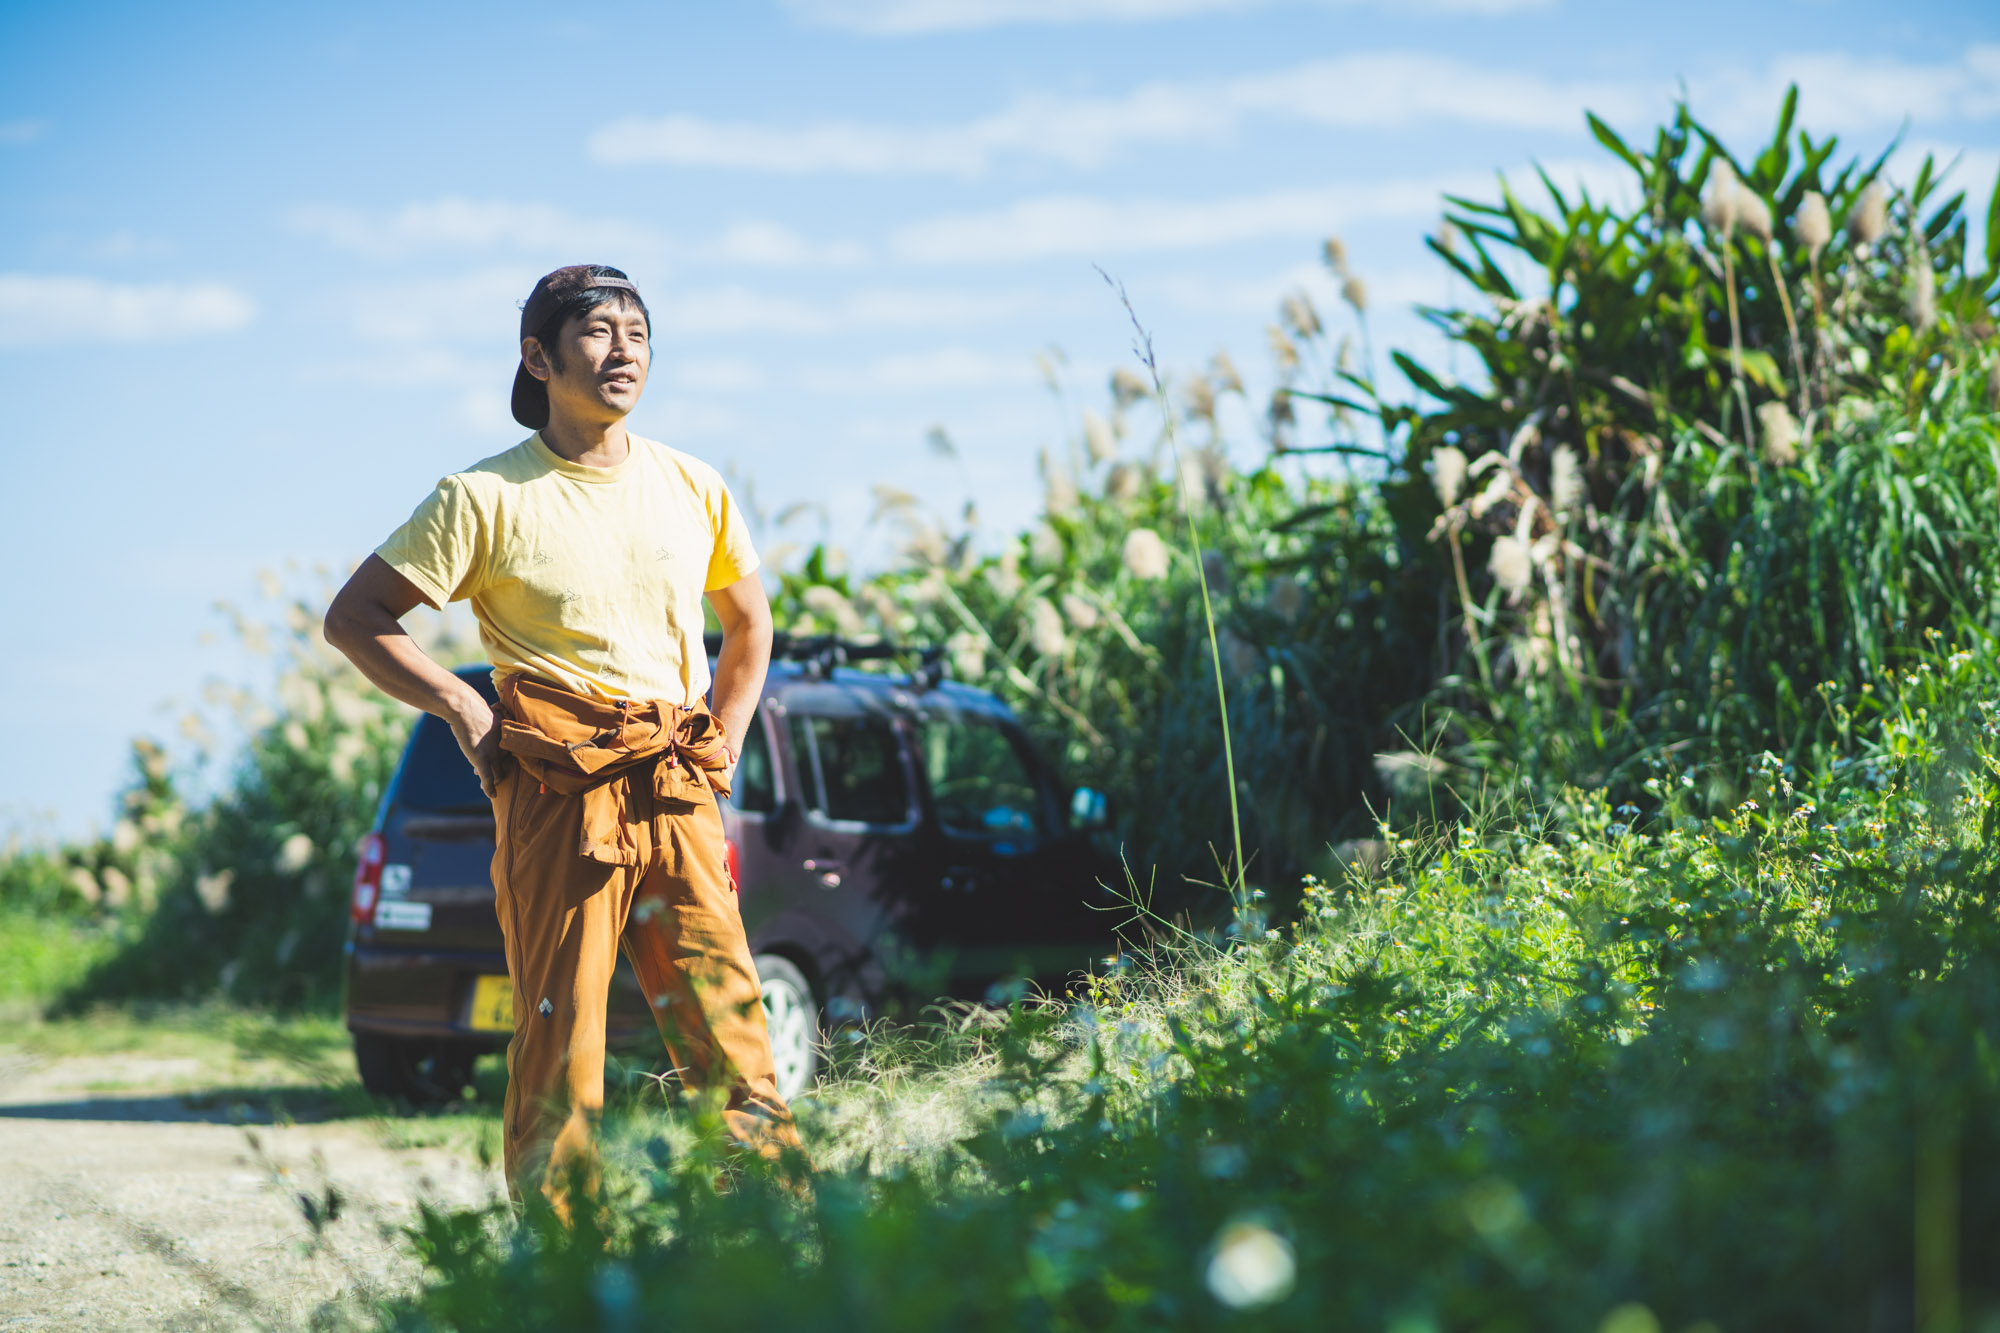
x,y
1005,576
1922,305
1125,481
1145,555
968,655
1812,224
1870,218
1081,612
213,890
1045,548
1355,292
1126,387
1283,351
829,605
1565,480
1199,396
1098,438
1286,599
1719,202
1779,432
1752,213
1045,628
1512,565
294,855
1058,487
1448,474
1297,312
1251,1266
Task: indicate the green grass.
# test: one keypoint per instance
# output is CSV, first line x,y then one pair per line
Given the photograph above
x,y
43,955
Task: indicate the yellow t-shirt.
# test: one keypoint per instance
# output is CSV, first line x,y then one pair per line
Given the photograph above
x,y
589,577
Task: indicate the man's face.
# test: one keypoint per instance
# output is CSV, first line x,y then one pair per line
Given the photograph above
x,y
599,366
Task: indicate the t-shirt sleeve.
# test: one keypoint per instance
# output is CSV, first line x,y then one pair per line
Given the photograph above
x,y
441,548
734,557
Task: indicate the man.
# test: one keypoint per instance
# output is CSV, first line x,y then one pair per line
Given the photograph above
x,y
586,552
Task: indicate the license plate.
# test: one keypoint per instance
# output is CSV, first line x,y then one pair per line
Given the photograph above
x,y
492,1005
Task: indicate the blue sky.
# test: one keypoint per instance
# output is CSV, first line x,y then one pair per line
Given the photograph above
x,y
259,265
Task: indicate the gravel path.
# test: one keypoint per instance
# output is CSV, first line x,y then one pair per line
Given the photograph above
x,y
131,1198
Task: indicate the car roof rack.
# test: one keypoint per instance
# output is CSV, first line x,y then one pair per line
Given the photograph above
x,y
819,654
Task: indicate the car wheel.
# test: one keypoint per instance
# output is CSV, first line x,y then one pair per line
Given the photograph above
x,y
422,1071
791,1016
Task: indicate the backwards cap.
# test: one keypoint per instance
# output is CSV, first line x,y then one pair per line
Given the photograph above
x,y
531,396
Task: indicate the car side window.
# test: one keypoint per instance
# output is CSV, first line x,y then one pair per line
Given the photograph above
x,y
980,784
755,787
857,767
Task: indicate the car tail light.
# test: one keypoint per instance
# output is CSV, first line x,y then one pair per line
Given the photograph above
x,y
367,879
735,860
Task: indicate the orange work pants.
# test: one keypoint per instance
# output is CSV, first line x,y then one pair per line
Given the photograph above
x,y
565,917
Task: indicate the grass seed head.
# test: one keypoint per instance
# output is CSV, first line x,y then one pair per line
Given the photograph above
x,y
968,655
1922,303
1779,432
1199,397
1565,480
1045,628
1145,555
1081,613
1511,565
1124,482
1335,251
1870,219
1720,202
1045,548
1297,314
1127,387
1099,440
1812,224
1222,371
1283,351
1448,474
1355,292
1752,213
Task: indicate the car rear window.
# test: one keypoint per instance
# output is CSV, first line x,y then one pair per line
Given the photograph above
x,y
754,788
980,781
436,778
852,768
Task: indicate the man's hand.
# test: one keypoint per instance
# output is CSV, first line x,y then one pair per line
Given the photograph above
x,y
478,734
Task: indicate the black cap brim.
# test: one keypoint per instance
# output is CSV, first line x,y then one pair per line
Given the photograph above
x,y
531,399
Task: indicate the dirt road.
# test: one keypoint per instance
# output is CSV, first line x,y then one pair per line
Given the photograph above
x,y
133,1194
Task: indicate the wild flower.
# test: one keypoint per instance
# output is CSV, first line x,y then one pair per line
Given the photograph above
x,y
1812,224
1297,313
1127,387
1753,214
1922,303
1512,566
1081,613
1335,252
1004,577
1059,495
1286,599
1355,292
294,855
1045,548
1869,221
1283,351
1565,480
1497,488
1720,202
968,655
1448,474
1144,554
1199,398
831,606
1124,481
1240,658
1779,432
1045,628
1099,440
1222,372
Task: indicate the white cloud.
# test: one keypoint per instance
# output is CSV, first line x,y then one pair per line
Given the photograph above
x,y
763,244
944,368
737,310
1840,92
46,309
459,225
22,131
1371,91
902,17
714,374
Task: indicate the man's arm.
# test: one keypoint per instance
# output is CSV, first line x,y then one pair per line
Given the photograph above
x,y
745,613
364,622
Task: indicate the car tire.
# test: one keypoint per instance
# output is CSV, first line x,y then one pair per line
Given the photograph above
x,y
421,1071
791,1016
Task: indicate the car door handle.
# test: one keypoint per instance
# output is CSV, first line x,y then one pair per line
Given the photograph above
x,y
829,872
